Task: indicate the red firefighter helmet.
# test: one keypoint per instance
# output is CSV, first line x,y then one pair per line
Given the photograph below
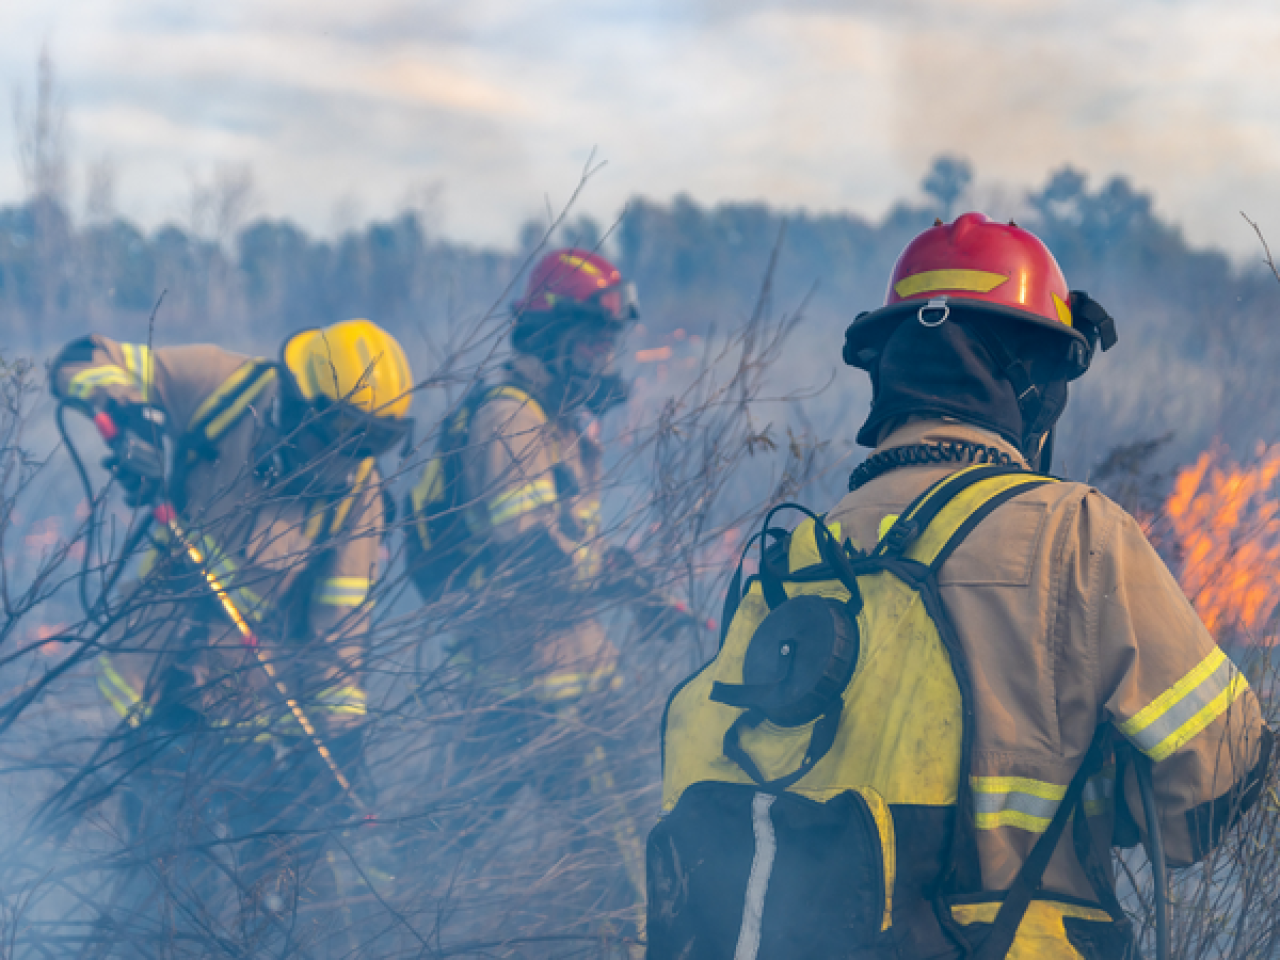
x,y
997,268
574,281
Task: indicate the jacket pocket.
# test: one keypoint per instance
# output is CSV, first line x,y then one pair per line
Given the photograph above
x,y
1054,928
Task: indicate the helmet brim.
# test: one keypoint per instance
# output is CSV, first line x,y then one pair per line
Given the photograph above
x,y
865,337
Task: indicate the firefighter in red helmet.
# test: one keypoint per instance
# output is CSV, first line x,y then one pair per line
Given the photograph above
x,y
505,522
939,704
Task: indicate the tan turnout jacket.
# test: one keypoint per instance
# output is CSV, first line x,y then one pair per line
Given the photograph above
x,y
299,561
529,470
1069,619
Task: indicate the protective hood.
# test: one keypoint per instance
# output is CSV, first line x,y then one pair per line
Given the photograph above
x,y
947,371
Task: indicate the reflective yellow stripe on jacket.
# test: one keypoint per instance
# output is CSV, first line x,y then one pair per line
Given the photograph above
x,y
118,692
84,383
342,701
1177,715
138,370
343,591
1030,804
140,363
245,385
328,520
516,503
570,685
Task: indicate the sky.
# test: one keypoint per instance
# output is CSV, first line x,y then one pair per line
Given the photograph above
x,y
485,113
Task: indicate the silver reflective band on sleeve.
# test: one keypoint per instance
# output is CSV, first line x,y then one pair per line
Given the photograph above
x,y
1167,723
1014,802
758,883
343,591
516,503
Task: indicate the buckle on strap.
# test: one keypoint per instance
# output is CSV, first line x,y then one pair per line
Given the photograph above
x,y
900,535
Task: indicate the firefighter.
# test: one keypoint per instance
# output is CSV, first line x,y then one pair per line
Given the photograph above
x,y
249,623
505,520
930,717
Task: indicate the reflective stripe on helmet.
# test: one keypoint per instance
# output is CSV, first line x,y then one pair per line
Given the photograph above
x,y
931,281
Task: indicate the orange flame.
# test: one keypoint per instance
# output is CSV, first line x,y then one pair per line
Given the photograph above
x,y
1223,517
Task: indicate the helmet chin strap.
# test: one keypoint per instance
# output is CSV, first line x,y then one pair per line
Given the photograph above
x,y
1040,408
1042,461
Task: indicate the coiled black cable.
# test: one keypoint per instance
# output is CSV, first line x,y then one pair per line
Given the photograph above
x,y
921,454
94,612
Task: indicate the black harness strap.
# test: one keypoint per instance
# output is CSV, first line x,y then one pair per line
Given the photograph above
x,y
215,417
963,870
1004,929
915,519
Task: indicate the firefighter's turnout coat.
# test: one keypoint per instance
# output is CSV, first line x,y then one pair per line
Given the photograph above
x,y
298,553
1063,622
519,476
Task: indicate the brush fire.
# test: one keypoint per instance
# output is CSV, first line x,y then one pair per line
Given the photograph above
x,y
1223,517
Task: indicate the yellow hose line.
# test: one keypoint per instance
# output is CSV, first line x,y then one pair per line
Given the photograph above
x,y
167,516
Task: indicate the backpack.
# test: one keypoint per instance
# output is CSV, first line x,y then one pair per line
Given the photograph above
x,y
815,772
445,543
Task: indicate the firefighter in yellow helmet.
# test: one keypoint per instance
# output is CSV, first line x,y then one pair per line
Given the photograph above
x,y
936,705
250,616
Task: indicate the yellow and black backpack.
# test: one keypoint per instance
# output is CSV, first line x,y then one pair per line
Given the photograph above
x,y
815,787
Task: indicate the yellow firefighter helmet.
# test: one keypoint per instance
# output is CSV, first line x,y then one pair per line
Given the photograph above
x,y
359,369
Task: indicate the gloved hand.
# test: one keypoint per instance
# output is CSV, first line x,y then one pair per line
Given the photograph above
x,y
656,615
137,454
621,577
663,619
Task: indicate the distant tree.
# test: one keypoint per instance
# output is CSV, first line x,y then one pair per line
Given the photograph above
x,y
947,180
219,207
531,234
100,201
41,130
583,232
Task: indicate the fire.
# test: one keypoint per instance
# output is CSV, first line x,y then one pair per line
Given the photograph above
x,y
1224,525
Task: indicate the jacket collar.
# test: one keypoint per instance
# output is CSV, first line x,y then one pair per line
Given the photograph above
x,y
936,430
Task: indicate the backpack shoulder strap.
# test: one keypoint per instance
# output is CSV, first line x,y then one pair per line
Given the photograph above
x,y
458,426
509,391
1004,929
325,523
917,544
215,416
938,521
437,485
223,408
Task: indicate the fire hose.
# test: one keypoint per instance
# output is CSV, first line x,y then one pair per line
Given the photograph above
x,y
164,514
1155,852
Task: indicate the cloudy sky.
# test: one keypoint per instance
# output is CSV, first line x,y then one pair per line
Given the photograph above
x,y
342,110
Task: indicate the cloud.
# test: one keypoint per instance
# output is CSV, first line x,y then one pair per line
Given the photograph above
x,y
807,103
